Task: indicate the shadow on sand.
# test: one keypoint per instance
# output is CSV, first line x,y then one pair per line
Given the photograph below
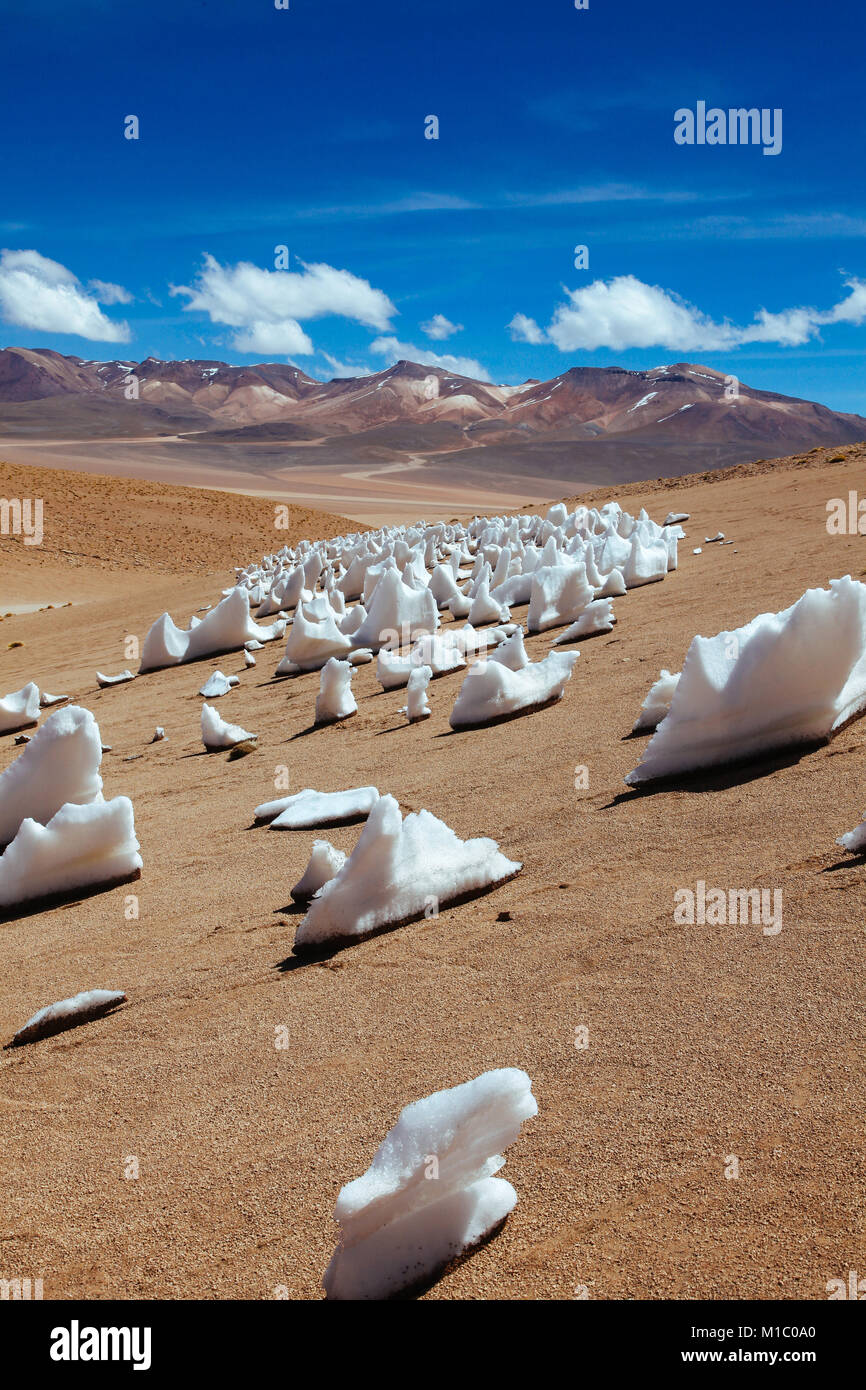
x,y
721,778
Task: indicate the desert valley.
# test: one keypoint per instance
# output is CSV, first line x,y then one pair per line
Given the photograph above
x,y
663,1057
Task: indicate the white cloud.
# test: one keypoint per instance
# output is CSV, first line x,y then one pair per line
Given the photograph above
x,y
285,339
107,293
439,327
395,351
266,305
525,330
625,313
852,309
344,369
601,193
415,202
793,226
42,295
791,328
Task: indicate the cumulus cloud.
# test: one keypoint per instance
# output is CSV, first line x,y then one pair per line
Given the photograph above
x,y
852,309
285,339
266,306
395,351
439,327
525,330
625,313
42,295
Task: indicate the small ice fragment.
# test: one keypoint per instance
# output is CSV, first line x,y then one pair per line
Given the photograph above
x,y
68,1013
418,706
657,703
324,864
335,700
114,680
309,808
217,734
19,709
217,685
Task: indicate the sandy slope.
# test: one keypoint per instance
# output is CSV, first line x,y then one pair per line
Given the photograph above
x,y
130,529
704,1042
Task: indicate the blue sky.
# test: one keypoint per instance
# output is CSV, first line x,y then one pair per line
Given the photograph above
x,y
305,128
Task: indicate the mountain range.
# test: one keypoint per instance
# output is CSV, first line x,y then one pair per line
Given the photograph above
x,y
680,401
589,424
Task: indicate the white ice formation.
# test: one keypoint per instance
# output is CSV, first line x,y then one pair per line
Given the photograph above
x,y
312,642
335,699
598,616
60,764
217,734
357,594
226,628
785,679
442,652
399,869
121,679
511,652
80,847
217,685
309,808
430,1194
68,1013
324,864
492,691
20,709
559,595
854,840
396,608
484,608
417,703
657,703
